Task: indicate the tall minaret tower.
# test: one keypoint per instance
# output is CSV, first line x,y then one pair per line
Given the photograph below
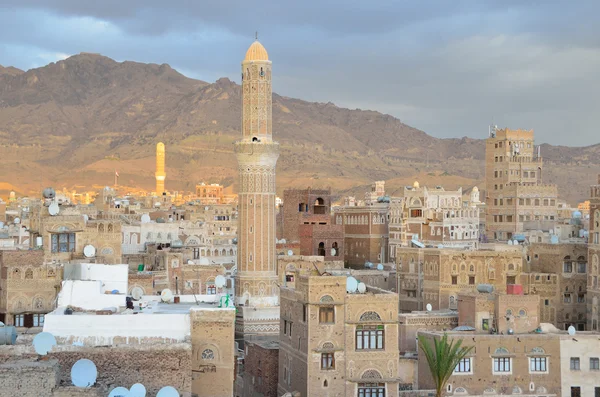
x,y
256,289
160,168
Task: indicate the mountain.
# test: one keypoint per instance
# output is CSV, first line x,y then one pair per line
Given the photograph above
x,y
74,122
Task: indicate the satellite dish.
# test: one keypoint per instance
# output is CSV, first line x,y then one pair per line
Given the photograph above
x,y
351,285
290,252
43,342
515,242
509,242
137,390
89,251
380,266
190,262
84,373
219,281
137,293
156,205
117,202
53,209
168,391
510,331
145,218
119,392
333,252
571,330
166,295
428,307
86,217
362,288
17,221
48,193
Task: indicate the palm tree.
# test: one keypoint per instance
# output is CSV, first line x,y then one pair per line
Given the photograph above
x,y
442,358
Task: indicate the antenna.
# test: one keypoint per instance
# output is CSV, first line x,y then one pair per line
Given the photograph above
x,y
168,391
84,373
137,390
43,342
119,392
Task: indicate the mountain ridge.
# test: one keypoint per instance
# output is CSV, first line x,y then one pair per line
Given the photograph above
x,y
72,122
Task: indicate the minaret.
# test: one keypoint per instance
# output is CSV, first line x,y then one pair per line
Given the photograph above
x,y
256,286
160,168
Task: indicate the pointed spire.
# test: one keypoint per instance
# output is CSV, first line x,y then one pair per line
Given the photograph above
x,y
256,35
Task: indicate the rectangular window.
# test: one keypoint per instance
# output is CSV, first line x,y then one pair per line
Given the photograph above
x,y
485,324
38,320
501,364
580,298
463,366
575,364
567,267
575,391
196,253
304,313
211,289
567,298
327,361
454,280
369,337
594,364
596,391
327,315
371,390
471,280
581,267
19,320
285,327
416,213
537,364
63,242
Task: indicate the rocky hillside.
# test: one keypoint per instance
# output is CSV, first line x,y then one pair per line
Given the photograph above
x,y
74,122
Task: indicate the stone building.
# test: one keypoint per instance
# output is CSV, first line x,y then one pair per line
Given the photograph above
x,y
409,324
517,200
593,287
366,233
28,287
435,216
579,364
256,289
377,191
334,343
437,276
209,194
558,274
261,369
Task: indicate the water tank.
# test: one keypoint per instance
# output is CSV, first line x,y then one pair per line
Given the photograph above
x,y
485,288
8,335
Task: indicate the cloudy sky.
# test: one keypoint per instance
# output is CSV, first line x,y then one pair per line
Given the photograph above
x,y
448,67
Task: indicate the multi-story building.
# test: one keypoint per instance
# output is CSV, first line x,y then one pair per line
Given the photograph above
x,y
365,233
335,343
593,287
437,276
28,287
557,273
517,199
377,191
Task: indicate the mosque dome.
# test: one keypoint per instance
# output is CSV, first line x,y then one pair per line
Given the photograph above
x,y
475,189
256,52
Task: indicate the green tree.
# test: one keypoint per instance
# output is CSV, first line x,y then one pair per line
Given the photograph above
x,y
443,355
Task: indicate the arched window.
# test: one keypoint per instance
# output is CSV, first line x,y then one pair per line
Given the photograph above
x,y
208,354
29,274
370,316
326,299
321,249
501,350
371,374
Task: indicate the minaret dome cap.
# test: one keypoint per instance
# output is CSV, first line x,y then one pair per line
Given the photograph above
x,y
256,52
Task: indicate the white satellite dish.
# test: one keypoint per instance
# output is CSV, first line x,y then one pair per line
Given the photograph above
x,y
89,251
84,373
137,293
219,281
17,221
119,392
137,390
145,218
190,262
156,205
428,307
515,242
117,202
380,266
53,209
43,342
510,242
168,391
166,295
290,252
362,288
351,285
571,330
333,252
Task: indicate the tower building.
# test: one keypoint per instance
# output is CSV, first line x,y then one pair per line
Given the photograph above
x,y
160,168
517,199
256,289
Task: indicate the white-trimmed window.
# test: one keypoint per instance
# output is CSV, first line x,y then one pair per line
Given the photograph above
x,y
538,364
575,365
502,362
463,367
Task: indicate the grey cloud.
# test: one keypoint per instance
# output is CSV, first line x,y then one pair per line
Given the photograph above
x,y
447,67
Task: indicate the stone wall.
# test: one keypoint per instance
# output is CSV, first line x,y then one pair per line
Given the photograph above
x,y
261,365
155,366
25,378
